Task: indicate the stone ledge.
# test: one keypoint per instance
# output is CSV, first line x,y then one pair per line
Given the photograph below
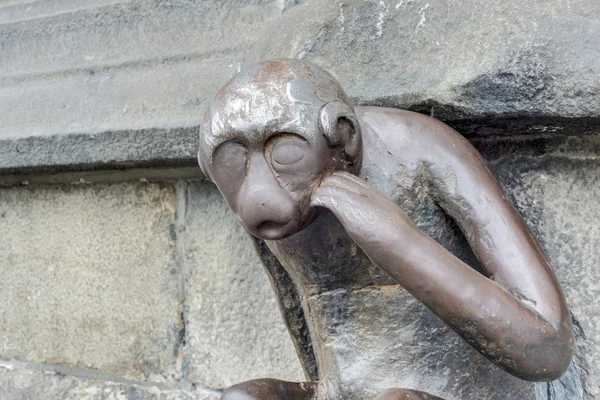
x,y
103,176
112,150
170,153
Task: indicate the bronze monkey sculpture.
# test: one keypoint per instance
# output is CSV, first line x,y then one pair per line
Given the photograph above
x,y
333,193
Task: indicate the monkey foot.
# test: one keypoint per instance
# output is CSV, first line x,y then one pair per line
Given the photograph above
x,y
406,394
273,389
270,389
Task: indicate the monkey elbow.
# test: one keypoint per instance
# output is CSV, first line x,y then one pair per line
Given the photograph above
x,y
542,372
544,361
553,373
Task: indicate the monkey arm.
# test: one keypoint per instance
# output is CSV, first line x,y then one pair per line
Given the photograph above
x,y
509,252
517,318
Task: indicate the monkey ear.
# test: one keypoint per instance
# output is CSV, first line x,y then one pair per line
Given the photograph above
x,y
338,123
202,162
202,166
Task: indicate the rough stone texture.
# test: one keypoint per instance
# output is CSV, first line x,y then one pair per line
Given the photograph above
x,y
72,67
557,189
94,272
88,279
115,84
36,385
234,328
109,150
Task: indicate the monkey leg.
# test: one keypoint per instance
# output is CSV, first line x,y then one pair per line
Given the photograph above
x,y
406,394
270,389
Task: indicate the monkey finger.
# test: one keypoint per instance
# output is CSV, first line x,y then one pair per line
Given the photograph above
x,y
325,196
334,198
347,206
356,213
373,196
352,177
336,181
346,179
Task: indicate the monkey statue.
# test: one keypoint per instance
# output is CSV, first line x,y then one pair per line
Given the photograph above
x,y
340,201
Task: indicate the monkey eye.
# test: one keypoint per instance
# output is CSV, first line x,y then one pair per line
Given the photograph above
x,y
289,150
229,161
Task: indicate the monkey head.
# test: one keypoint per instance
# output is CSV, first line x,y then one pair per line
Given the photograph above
x,y
269,137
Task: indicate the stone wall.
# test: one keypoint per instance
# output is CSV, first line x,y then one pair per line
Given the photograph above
x,y
125,276
134,288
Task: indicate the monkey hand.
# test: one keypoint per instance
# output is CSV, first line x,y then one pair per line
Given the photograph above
x,y
372,220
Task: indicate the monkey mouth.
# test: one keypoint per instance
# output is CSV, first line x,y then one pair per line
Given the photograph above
x,y
271,225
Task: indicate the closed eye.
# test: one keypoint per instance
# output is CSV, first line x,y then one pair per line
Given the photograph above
x,y
230,161
288,149
288,156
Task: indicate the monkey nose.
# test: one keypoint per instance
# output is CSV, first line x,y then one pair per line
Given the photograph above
x,y
274,218
269,217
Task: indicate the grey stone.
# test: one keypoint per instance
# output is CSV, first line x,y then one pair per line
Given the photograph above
x,y
125,68
101,176
88,279
146,148
38,385
569,386
234,329
119,65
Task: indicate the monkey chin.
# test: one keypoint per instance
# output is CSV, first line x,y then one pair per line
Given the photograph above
x,y
269,230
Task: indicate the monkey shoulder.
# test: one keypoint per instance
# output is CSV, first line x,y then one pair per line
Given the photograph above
x,y
404,149
405,131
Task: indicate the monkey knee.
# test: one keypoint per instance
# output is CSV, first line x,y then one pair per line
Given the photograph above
x,y
395,394
267,389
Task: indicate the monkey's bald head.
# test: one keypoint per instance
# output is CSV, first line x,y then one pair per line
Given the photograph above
x,y
270,135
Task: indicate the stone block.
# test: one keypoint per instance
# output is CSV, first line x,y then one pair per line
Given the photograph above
x,y
89,279
234,328
43,385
